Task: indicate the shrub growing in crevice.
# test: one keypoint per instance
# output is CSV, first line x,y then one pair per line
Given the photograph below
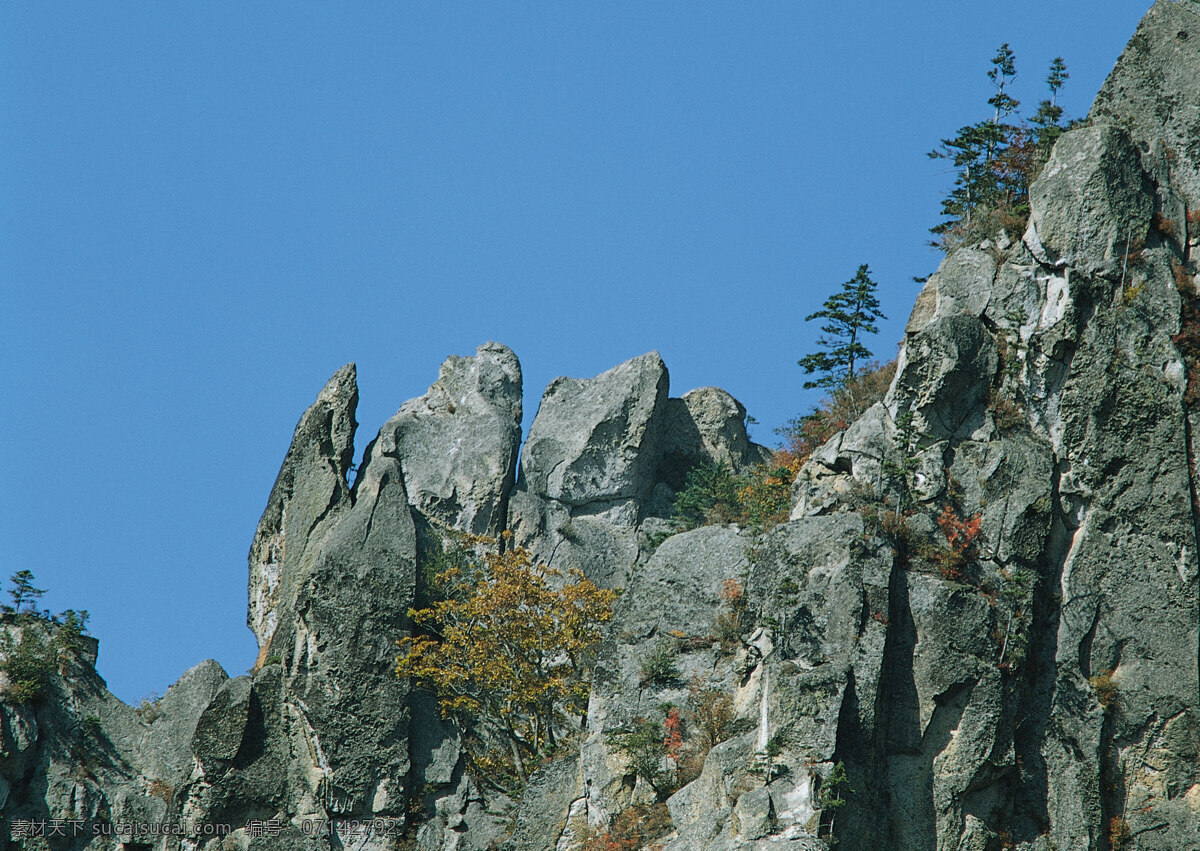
x,y
27,664
632,829
732,621
642,742
845,403
710,495
961,536
657,667
1106,689
1187,341
507,653
714,495
1119,833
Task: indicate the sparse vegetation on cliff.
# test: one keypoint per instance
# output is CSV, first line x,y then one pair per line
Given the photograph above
x,y
996,161
27,664
506,652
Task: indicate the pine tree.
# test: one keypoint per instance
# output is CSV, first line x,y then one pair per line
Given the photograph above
x,y
975,182
1004,71
976,147
1048,120
23,590
995,161
848,316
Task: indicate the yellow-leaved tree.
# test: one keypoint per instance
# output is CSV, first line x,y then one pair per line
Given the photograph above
x,y
505,648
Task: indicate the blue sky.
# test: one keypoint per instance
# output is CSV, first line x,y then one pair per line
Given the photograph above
x,y
208,208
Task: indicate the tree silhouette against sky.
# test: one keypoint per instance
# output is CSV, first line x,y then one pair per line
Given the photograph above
x,y
848,315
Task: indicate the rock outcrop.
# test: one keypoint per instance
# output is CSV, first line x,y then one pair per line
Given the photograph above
x,y
979,629
458,444
608,453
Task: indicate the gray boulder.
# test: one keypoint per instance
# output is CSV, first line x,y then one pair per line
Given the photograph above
x,y
595,442
706,426
589,467
1152,89
944,373
606,455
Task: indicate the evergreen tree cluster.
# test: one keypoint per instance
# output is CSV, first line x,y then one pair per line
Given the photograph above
x,y
995,160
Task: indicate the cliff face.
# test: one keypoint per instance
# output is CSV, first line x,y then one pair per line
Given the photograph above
x,y
1039,691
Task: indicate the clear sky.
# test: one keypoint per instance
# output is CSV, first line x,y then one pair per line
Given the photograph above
x,y
207,208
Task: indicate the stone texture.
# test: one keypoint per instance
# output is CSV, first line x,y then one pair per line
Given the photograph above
x,y
1091,203
595,442
311,484
706,426
606,455
458,443
338,601
1022,696
1152,89
944,373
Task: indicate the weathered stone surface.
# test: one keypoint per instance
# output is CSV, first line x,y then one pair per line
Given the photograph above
x,y
589,467
458,443
541,817
706,426
1091,202
340,655
167,750
595,442
220,729
311,484
944,373
606,455
1152,89
331,597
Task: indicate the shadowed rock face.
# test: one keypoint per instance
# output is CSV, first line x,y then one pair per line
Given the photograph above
x,y
311,486
325,715
1036,691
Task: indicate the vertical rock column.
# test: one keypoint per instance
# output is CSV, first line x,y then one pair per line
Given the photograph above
x,y
331,580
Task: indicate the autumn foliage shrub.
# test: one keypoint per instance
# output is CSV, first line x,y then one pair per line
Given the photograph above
x,y
711,715
762,498
1105,688
731,621
633,829
713,494
767,499
673,736
506,653
1118,833
1187,341
961,536
1164,225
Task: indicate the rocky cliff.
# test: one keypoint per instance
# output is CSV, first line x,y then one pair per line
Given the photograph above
x,y
978,630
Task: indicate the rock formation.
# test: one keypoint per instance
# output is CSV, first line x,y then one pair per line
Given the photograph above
x,y
978,630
